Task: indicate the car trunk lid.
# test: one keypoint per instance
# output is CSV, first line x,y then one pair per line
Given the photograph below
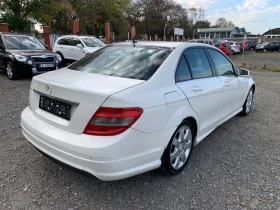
x,y
84,92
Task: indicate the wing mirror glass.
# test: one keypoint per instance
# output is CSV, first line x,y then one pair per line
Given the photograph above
x,y
244,72
79,46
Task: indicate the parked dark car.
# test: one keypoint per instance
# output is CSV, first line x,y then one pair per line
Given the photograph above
x,y
21,54
268,46
251,45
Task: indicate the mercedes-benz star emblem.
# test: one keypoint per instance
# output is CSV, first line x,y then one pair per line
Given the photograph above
x,y
48,89
44,56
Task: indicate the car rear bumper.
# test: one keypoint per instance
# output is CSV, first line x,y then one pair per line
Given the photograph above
x,y
108,158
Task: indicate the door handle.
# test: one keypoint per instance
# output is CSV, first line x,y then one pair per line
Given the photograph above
x,y
196,88
226,84
72,49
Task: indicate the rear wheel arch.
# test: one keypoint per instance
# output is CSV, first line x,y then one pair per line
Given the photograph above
x,y
194,124
254,87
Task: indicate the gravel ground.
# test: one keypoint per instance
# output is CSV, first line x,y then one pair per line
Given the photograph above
x,y
236,167
257,60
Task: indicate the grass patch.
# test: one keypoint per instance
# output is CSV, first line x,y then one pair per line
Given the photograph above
x,y
274,69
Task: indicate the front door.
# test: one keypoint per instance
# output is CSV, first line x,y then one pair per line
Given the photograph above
x,y
204,91
76,52
234,88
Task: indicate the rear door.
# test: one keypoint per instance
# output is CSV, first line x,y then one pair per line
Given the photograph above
x,y
203,89
234,86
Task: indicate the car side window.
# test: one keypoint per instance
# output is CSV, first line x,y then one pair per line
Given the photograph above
x,y
76,41
198,63
224,67
183,71
64,41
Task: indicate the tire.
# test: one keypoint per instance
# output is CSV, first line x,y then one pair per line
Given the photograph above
x,y
62,59
11,72
178,150
247,106
257,51
264,50
252,49
231,52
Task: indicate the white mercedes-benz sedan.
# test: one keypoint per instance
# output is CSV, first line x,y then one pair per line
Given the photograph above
x,y
130,108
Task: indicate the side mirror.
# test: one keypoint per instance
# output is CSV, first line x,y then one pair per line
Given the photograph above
x,y
46,46
244,72
79,46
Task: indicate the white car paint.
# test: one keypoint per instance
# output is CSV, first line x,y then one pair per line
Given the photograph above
x,y
235,47
209,101
70,52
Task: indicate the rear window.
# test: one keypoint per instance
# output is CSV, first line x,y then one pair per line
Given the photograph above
x,y
139,62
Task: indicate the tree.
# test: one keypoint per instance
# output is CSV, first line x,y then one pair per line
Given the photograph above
x,y
202,24
97,12
17,12
222,22
157,17
57,14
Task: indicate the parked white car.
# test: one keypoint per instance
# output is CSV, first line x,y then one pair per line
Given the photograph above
x,y
131,108
102,38
72,48
234,48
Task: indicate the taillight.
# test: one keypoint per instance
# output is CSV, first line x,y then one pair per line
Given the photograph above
x,y
109,121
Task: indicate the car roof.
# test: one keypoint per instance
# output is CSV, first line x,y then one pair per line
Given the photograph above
x,y
73,35
154,43
13,34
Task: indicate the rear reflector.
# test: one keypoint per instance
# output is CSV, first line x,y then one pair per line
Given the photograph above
x,y
109,121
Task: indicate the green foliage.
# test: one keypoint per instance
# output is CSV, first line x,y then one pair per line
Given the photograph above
x,y
202,24
17,24
222,22
159,17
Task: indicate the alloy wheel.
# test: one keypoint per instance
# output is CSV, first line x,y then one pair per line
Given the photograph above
x,y
9,71
181,147
249,101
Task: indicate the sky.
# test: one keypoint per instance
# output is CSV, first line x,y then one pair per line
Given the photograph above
x,y
257,16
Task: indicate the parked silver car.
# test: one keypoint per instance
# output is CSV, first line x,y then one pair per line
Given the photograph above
x,y
234,48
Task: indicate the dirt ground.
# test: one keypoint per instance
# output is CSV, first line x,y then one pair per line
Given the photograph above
x,y
254,60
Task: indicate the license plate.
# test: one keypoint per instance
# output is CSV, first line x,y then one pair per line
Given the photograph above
x,y
53,106
46,65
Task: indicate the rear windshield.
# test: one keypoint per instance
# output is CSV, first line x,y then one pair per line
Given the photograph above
x,y
127,61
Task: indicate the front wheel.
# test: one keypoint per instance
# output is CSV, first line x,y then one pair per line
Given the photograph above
x,y
231,52
12,73
247,106
178,151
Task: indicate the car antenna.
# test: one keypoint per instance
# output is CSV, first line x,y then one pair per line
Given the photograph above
x,y
133,41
